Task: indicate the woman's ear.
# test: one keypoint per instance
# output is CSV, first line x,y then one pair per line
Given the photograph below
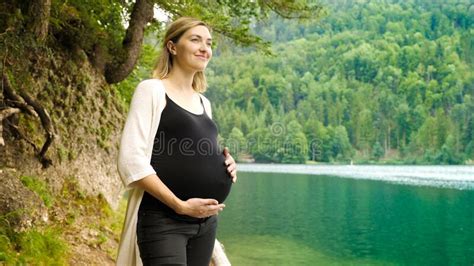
x,y
171,47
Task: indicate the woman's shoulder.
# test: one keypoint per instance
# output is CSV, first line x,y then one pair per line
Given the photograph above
x,y
151,86
207,104
204,98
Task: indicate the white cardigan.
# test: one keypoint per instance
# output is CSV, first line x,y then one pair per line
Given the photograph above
x,y
136,147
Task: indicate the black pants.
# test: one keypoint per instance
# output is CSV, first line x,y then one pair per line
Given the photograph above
x,y
166,241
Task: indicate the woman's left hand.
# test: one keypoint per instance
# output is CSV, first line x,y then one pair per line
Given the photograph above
x,y
231,165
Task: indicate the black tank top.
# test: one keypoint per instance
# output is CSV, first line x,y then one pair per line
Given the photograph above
x,y
187,158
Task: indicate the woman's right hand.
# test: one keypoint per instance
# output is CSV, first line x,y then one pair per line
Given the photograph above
x,y
200,208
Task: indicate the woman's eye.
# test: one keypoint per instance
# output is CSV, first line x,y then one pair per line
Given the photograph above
x,y
194,40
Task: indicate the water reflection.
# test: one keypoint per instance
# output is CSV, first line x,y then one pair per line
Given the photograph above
x,y
348,220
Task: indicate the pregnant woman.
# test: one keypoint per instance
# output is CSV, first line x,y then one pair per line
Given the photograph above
x,y
170,158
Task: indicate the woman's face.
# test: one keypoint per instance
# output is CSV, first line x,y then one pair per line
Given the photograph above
x,y
193,50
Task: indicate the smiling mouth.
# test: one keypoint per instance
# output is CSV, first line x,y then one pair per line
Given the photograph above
x,y
202,57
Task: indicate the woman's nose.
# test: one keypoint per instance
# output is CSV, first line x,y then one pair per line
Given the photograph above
x,y
203,47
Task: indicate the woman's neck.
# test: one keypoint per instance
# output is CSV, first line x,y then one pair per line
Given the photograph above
x,y
180,80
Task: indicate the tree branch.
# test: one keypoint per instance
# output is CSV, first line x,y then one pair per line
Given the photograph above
x,y
5,113
13,99
124,63
18,133
292,9
47,126
27,104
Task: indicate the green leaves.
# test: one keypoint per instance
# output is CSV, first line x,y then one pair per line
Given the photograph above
x,y
372,77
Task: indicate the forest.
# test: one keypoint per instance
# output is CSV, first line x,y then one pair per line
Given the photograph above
x,y
362,81
368,82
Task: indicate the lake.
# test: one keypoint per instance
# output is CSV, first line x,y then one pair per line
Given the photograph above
x,y
332,215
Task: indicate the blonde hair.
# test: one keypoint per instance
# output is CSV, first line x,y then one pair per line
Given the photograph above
x,y
165,60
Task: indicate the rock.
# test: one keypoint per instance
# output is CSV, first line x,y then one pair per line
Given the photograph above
x,y
22,207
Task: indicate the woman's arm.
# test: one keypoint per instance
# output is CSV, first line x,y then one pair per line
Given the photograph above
x,y
133,161
194,207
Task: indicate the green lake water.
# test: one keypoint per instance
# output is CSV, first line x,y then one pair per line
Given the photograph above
x,y
299,219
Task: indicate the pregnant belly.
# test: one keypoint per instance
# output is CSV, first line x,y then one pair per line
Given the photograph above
x,y
196,177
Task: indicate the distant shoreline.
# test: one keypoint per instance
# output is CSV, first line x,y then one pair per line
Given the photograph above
x,y
449,176
356,162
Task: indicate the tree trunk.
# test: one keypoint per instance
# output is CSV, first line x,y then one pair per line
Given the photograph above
x,y
39,12
124,63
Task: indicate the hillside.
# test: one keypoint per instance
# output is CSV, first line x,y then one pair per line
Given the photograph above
x,y
47,199
372,81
